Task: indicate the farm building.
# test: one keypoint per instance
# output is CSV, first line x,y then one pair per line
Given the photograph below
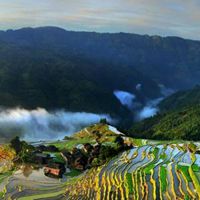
x,y
55,169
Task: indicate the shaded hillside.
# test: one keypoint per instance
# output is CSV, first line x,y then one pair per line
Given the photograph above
x,y
172,61
46,67
181,99
180,124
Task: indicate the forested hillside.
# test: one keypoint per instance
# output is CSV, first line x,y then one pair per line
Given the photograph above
x,y
53,68
181,99
38,67
179,124
172,61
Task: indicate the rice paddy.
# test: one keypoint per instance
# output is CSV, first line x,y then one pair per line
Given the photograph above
x,y
150,171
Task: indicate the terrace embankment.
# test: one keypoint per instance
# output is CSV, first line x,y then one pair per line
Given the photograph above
x,y
150,171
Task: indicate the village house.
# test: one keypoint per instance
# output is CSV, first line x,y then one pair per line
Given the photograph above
x,y
55,169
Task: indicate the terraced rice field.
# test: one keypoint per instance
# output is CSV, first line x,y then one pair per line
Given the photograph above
x,y
165,171
34,186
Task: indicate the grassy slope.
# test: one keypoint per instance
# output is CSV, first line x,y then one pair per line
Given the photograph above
x,y
70,144
87,135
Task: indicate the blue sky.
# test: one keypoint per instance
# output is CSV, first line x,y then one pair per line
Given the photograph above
x,y
154,17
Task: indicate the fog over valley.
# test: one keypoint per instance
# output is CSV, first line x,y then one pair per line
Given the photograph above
x,y
44,124
99,99
41,124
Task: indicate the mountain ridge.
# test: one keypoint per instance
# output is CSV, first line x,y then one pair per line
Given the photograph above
x,y
40,73
84,31
176,58
53,68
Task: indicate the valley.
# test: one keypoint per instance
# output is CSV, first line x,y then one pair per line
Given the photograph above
x,y
99,100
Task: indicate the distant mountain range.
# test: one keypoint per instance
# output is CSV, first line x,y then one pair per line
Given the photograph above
x,y
172,61
54,68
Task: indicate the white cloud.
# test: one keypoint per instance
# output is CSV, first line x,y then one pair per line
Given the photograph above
x,y
41,124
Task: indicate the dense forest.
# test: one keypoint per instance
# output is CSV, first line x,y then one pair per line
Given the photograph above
x,y
171,61
53,68
181,99
41,68
179,118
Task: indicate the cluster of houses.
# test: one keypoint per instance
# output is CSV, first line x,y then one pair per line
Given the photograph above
x,y
52,168
80,157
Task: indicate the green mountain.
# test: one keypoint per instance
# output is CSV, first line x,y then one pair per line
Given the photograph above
x,y
181,99
171,61
53,68
179,118
46,67
179,124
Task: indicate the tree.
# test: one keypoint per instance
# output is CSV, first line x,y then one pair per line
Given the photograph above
x,y
16,144
106,152
103,121
23,150
120,141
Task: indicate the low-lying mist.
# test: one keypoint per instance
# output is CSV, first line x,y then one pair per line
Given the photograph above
x,y
142,111
149,110
40,124
125,98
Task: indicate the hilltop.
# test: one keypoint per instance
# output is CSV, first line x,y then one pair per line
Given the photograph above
x,y
102,133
